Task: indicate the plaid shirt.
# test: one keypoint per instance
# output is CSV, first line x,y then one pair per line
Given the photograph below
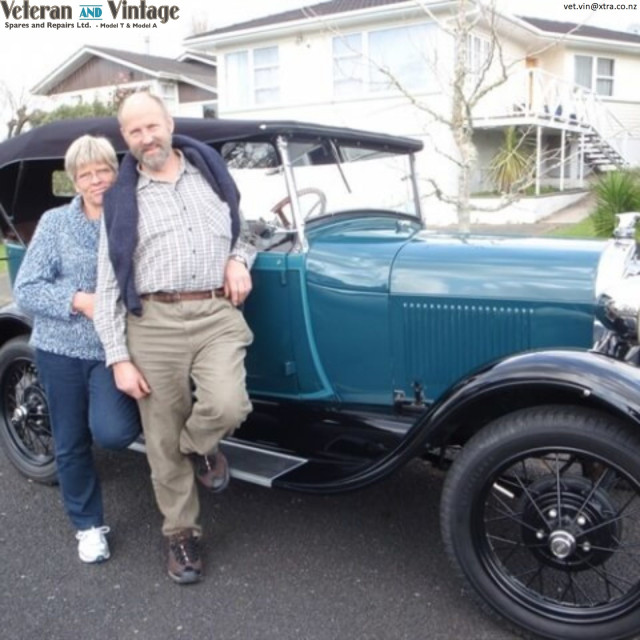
x,y
184,242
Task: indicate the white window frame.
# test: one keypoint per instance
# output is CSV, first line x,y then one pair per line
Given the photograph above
x,y
251,100
477,65
346,58
367,85
273,66
595,76
168,91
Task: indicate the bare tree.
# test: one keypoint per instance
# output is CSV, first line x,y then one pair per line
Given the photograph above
x,y
199,23
18,105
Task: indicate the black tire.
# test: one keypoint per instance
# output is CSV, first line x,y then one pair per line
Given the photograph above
x,y
25,432
541,515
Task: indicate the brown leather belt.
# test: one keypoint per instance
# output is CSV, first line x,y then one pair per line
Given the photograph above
x,y
179,296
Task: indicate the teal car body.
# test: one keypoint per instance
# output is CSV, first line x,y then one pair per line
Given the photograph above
x,y
377,306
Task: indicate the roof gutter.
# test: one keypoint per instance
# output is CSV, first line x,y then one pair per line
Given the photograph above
x,y
572,38
311,23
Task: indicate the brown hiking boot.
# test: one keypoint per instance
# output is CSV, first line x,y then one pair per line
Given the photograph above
x,y
212,471
185,564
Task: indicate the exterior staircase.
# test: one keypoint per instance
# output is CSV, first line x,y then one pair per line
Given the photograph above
x,y
598,153
534,97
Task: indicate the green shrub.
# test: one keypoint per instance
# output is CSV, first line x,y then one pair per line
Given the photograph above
x,y
616,192
511,167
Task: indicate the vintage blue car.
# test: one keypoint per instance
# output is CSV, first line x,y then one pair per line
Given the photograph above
x,y
378,340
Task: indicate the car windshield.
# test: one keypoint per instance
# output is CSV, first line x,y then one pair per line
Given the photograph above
x,y
329,179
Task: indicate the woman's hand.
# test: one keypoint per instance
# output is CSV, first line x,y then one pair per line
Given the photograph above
x,y
83,303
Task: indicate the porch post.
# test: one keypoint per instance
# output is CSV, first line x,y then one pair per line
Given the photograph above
x,y
538,154
581,161
563,140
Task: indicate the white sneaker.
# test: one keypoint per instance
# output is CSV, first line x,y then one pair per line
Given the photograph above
x,y
92,545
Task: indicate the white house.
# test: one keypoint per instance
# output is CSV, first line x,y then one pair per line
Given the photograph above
x,y
388,65
188,84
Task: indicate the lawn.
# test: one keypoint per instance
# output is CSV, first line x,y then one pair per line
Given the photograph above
x,y
582,229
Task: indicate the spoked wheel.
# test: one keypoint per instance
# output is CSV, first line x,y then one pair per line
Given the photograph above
x,y
541,513
25,432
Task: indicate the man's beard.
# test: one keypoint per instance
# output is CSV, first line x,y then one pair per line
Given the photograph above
x,y
156,161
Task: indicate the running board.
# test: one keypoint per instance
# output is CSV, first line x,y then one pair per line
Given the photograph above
x,y
250,463
258,466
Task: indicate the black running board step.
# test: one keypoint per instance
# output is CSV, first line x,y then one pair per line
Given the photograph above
x,y
248,463
258,466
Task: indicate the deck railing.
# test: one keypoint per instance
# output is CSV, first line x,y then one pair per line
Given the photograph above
x,y
535,96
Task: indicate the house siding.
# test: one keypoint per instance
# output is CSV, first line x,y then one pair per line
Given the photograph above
x,y
189,93
96,73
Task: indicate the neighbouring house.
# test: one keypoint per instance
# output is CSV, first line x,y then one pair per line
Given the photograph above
x,y
188,84
388,65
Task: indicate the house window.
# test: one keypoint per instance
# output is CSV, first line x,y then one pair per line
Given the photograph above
x,y
169,95
210,110
604,77
388,60
400,58
595,74
478,52
253,77
237,77
348,68
266,84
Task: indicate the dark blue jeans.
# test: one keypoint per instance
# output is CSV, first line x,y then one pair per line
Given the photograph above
x,y
84,407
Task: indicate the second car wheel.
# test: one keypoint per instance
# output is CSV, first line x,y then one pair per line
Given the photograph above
x,y
541,514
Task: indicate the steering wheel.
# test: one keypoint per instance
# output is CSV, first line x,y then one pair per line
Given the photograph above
x,y
321,205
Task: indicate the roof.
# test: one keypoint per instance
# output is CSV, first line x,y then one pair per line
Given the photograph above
x,y
581,30
198,56
322,9
157,64
152,65
338,7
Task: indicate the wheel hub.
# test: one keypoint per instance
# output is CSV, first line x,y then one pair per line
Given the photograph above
x,y
31,412
571,526
562,544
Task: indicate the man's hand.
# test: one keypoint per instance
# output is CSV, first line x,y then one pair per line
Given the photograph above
x,y
129,380
237,282
83,303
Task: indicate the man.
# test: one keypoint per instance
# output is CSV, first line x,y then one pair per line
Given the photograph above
x,y
172,270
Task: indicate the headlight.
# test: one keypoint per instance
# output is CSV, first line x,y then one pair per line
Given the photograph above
x,y
626,224
618,307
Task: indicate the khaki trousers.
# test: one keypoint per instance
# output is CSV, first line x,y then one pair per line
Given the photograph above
x,y
173,344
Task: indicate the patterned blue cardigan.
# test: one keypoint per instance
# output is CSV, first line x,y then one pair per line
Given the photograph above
x,y
61,260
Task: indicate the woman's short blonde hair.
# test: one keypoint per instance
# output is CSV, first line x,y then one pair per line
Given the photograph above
x,y
86,150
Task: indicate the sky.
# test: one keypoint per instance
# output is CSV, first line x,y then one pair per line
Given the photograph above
x,y
27,55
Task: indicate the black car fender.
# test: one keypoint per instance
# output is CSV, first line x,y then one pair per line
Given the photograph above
x,y
580,378
531,379
13,323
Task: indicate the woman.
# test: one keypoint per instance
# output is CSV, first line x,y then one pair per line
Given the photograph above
x,y
56,285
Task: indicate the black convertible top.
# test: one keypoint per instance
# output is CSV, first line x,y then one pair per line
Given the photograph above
x,y
52,140
28,161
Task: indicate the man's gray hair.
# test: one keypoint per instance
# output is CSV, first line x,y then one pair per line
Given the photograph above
x,y
87,150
